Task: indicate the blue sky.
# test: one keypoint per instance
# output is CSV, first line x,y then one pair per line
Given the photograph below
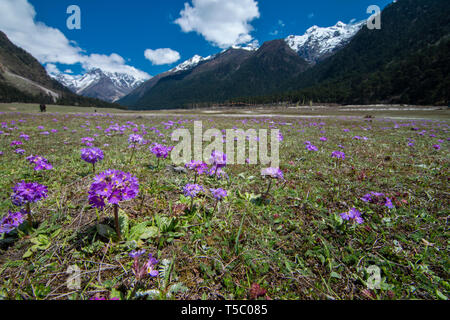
x,y
117,33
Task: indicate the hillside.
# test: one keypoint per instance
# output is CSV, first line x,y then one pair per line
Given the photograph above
x,y
24,79
233,73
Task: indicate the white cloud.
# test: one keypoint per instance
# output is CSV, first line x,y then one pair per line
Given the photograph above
x,y
224,23
162,56
49,45
52,69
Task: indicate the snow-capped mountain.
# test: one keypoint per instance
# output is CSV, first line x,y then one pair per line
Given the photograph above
x,y
189,64
319,43
96,83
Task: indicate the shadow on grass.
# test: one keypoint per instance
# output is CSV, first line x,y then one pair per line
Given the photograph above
x,y
91,233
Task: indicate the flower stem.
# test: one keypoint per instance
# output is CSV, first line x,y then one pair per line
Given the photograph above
x,y
116,220
132,152
192,204
215,207
30,216
268,188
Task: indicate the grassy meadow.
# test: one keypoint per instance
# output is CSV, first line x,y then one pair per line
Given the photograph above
x,y
289,243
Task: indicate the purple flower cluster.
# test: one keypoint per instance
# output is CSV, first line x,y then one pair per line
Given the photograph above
x,y
16,143
148,268
87,141
199,166
92,155
275,173
378,198
160,151
338,155
28,192
352,214
192,190
11,221
311,147
113,186
219,193
218,159
40,163
135,139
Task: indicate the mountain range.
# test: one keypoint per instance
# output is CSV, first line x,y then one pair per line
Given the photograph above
x,y
263,69
406,61
96,83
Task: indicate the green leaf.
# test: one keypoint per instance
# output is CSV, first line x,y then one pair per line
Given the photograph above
x,y
29,253
142,231
441,295
106,231
149,232
124,223
335,275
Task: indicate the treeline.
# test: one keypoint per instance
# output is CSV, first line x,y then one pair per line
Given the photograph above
x,y
9,94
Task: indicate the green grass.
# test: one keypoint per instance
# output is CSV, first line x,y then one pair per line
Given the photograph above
x,y
293,243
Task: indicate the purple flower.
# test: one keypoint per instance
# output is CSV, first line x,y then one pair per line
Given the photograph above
x,y
218,159
311,147
437,146
148,268
275,173
160,151
352,214
217,172
378,198
11,221
219,193
135,139
192,190
136,254
198,166
112,186
280,137
92,155
40,163
151,266
388,203
87,141
16,143
19,151
28,192
323,139
338,155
